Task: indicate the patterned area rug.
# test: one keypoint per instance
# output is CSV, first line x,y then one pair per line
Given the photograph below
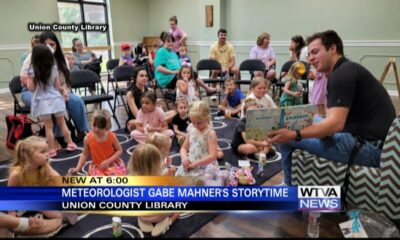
x,y
100,225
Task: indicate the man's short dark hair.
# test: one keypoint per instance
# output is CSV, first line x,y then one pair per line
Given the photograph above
x,y
221,30
328,38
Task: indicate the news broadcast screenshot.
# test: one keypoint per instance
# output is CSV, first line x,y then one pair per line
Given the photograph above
x,y
198,119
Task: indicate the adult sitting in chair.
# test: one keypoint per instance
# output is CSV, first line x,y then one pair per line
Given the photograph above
x,y
166,63
359,114
265,53
224,53
85,59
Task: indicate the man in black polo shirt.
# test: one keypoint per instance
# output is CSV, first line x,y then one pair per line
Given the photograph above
x,y
359,109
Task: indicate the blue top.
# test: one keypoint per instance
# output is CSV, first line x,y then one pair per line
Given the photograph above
x,y
168,59
235,99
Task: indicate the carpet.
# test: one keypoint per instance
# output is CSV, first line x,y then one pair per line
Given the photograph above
x,y
100,225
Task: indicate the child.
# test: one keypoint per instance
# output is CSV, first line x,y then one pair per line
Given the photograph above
x,y
31,168
185,60
71,61
29,227
163,144
152,54
241,145
146,160
318,94
48,96
232,101
103,146
126,58
200,147
259,88
292,93
150,118
185,86
181,121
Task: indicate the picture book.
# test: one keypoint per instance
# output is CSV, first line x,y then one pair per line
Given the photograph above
x,y
260,122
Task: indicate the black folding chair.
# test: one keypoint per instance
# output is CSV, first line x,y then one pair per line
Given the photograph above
x,y
123,74
16,88
209,65
168,94
86,79
250,65
111,64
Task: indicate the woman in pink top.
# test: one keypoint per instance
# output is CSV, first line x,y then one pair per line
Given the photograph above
x,y
266,54
179,35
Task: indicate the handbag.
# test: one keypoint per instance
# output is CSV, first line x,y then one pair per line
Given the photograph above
x,y
18,127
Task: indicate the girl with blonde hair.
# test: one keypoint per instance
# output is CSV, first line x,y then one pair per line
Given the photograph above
x,y
147,160
200,147
292,92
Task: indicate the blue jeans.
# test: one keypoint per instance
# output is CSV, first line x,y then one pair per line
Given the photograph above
x,y
75,107
336,148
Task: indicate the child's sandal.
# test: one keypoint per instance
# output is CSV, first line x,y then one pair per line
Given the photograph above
x,y
52,153
71,147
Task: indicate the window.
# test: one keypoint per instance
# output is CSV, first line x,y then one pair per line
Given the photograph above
x,y
85,12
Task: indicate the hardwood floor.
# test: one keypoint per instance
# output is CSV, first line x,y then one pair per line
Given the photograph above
x,y
235,225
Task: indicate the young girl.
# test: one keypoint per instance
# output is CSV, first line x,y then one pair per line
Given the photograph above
x,y
103,146
240,144
292,93
48,96
319,91
259,91
147,160
150,118
185,86
200,147
163,144
31,168
126,58
181,120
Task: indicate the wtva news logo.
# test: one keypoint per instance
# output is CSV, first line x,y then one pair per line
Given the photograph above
x,y
319,198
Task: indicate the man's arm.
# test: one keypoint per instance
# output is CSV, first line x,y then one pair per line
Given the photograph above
x,y
335,121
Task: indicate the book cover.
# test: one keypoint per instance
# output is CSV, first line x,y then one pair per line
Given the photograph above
x,y
260,122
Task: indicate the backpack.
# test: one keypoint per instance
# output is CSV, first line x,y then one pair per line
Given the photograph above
x,y
18,127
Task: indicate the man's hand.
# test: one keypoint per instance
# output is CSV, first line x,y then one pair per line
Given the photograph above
x,y
282,135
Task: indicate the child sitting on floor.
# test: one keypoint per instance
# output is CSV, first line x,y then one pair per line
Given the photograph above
x,y
163,143
150,118
181,121
104,148
232,102
243,146
146,160
31,168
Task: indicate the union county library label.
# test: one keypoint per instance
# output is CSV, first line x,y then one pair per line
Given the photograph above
x,y
71,27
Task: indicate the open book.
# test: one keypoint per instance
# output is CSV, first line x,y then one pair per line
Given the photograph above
x,y
260,122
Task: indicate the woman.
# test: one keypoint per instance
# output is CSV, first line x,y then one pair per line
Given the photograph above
x,y
166,63
85,59
265,53
74,104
